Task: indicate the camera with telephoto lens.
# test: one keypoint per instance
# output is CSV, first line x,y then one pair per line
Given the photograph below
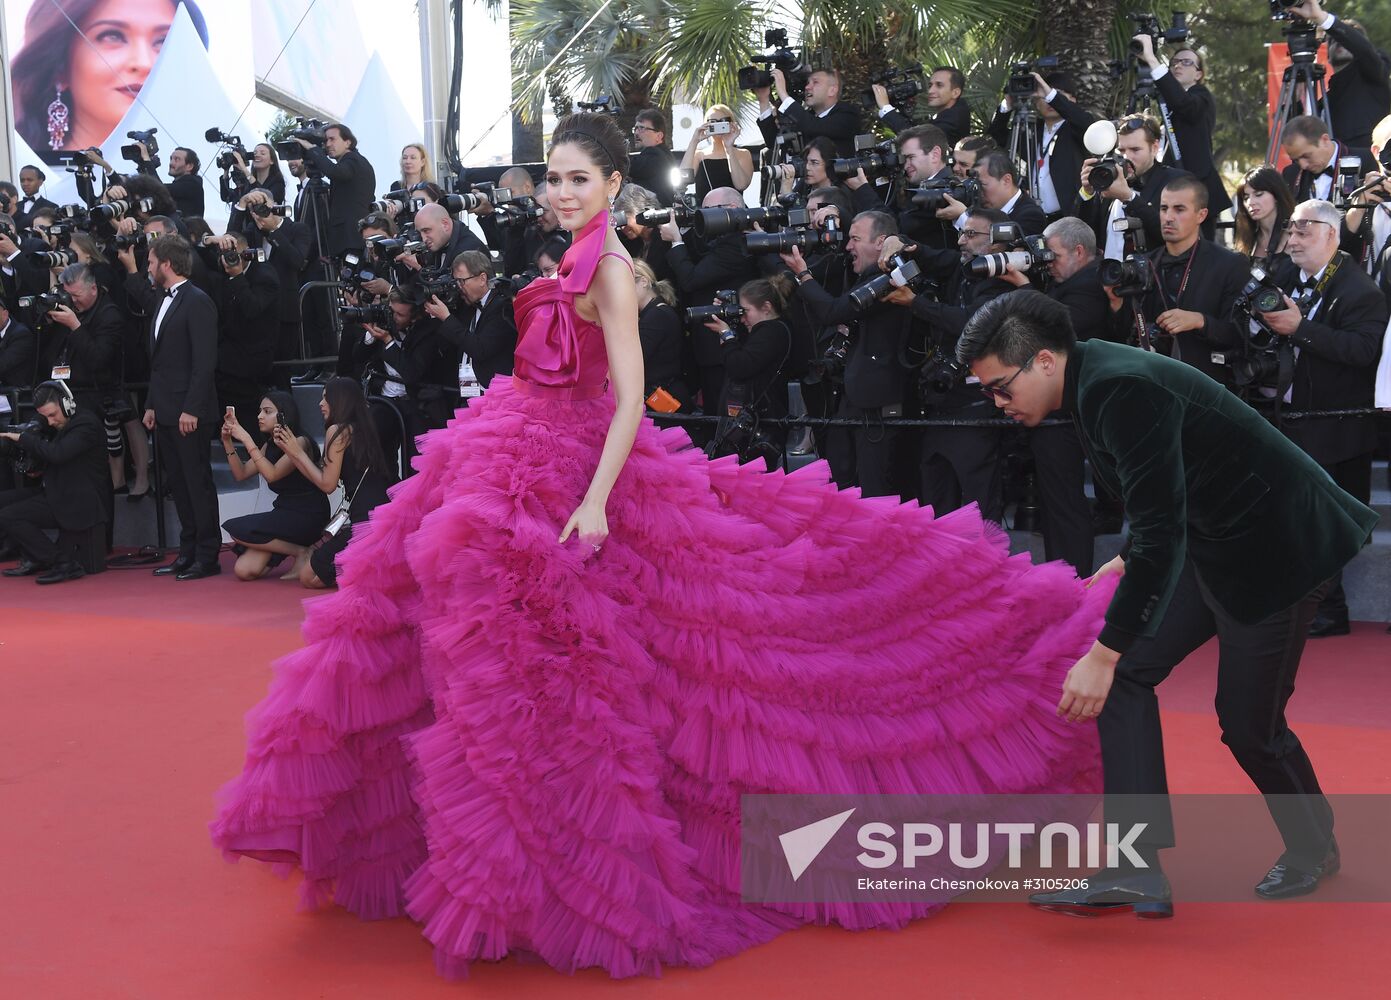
x,y
426,283
801,234
389,248
46,302
1021,76
146,139
395,203
113,211
875,158
902,84
780,55
1134,274
711,222
139,240
457,204
680,213
55,258
1025,253
376,314
227,158
1266,359
904,273
356,272
250,255
263,211
726,307
932,195
1149,24
830,367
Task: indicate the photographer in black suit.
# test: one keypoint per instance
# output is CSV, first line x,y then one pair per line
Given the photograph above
x,y
1187,311
415,355
1314,156
287,246
876,380
17,350
485,332
1359,92
518,242
444,235
352,185
651,167
181,407
925,154
82,345
1135,192
950,112
821,115
186,188
722,264
1192,116
1059,129
248,327
72,450
1000,191
1334,319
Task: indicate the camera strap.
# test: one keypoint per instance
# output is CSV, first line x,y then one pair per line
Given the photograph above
x,y
1308,304
1183,282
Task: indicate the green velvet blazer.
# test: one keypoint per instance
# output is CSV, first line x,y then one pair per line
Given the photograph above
x,y
1206,478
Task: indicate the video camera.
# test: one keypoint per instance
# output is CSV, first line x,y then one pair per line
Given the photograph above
x,y
932,194
1149,24
905,273
902,84
802,233
778,54
227,158
873,157
726,307
311,130
1021,82
603,104
146,139
1025,253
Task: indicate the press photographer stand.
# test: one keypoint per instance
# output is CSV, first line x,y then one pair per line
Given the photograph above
x,y
316,199
1023,138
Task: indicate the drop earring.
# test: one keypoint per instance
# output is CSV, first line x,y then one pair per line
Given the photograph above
x,y
57,121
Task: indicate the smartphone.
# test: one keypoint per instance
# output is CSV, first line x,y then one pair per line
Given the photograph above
x,y
280,419
231,412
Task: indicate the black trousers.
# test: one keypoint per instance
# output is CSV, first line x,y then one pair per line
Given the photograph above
x,y
863,455
1255,678
1354,476
187,462
958,465
26,517
1059,468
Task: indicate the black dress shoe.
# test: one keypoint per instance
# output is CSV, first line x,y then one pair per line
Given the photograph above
x,y
137,497
176,567
62,573
27,567
1285,881
309,377
1325,625
1111,890
199,570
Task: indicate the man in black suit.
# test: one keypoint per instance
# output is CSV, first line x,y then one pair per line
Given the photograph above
x,y
9,199
1059,129
1135,193
31,180
1000,191
1192,117
181,407
1187,313
876,382
721,264
287,245
1234,534
248,327
822,115
924,152
1359,93
17,350
651,167
1335,323
445,236
82,345
352,186
424,363
22,272
1314,156
950,112
75,481
187,187
485,333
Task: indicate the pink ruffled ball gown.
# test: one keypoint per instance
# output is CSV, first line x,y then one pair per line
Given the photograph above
x,y
528,747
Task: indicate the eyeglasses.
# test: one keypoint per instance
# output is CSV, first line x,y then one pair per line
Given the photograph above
x,y
1002,391
971,234
644,128
1301,226
1184,62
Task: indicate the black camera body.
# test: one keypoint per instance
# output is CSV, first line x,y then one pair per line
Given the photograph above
x,y
1134,274
146,139
1025,253
939,375
603,104
903,86
778,54
311,130
27,463
905,273
1266,359
932,195
1021,82
46,302
1105,171
830,367
389,248
875,158
375,314
804,236
139,240
262,211
250,255
431,282
709,223
726,307
356,272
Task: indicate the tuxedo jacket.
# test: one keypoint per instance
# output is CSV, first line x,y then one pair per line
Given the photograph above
x,y
249,322
651,168
875,375
1204,478
17,352
841,124
1086,302
187,192
1336,367
1359,96
1064,154
1301,182
26,210
352,187
183,360
491,342
1193,113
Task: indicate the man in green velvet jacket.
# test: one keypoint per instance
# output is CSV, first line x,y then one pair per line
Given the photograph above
x,y
1234,532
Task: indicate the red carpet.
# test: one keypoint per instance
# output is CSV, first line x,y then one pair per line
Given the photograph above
x,y
121,713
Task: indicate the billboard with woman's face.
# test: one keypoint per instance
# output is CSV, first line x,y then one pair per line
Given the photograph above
x,y
81,65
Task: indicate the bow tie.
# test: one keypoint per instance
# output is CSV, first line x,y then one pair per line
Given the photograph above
x,y
167,293
1309,283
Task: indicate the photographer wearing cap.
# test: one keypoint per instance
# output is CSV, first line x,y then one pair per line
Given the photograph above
x,y
70,443
485,334
1333,320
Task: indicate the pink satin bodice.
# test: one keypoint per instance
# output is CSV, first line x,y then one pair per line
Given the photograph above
x,y
558,350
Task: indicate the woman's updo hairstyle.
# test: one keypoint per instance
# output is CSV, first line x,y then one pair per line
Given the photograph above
x,y
598,136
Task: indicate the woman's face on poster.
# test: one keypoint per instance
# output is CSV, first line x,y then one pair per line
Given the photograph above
x,y
111,58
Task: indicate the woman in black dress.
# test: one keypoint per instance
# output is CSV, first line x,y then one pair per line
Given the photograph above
x,y
353,458
297,518
724,164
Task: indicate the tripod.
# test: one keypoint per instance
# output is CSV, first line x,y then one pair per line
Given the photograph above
x,y
1302,92
1145,98
316,200
1023,138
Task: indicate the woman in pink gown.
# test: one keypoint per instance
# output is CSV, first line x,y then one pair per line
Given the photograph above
x,y
570,642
